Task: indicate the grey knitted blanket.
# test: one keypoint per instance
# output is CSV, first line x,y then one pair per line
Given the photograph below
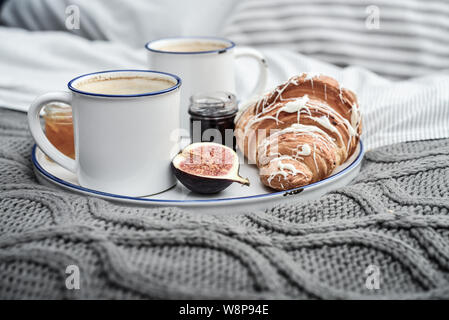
x,y
384,236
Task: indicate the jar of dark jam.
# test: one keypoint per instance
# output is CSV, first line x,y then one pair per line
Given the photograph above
x,y
212,117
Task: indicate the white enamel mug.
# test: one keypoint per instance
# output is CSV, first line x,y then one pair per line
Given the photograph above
x,y
123,143
203,71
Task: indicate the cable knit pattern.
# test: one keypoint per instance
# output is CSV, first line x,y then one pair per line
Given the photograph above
x,y
394,216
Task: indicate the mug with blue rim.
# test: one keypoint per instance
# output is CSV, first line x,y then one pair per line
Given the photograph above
x,y
123,142
209,68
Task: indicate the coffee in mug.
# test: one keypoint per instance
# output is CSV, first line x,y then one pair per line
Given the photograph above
x,y
124,85
194,46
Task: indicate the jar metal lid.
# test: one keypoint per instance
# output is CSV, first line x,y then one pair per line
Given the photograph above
x,y
213,104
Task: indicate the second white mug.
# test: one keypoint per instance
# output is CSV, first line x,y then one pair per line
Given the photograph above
x,y
204,64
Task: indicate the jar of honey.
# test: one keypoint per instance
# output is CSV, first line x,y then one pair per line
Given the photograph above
x,y
212,117
59,127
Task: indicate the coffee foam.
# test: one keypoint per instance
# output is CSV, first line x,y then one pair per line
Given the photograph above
x,y
194,46
124,85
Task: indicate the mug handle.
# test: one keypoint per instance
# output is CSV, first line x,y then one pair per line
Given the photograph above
x,y
263,67
38,134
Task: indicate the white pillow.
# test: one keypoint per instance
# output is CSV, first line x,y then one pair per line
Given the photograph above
x,y
397,39
133,22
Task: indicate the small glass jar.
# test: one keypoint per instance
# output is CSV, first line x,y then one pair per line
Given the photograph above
x,y
59,127
212,117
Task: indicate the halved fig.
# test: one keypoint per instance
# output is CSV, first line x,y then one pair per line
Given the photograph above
x,y
207,167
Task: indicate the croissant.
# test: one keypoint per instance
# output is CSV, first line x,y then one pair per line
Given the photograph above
x,y
300,132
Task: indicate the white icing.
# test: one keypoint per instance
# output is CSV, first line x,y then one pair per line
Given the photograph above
x,y
324,121
352,131
268,108
288,166
313,131
310,76
285,169
301,128
355,116
273,139
296,105
314,158
305,150
341,95
271,177
341,88
255,120
290,81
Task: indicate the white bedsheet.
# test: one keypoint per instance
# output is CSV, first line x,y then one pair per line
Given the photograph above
x,y
131,22
32,63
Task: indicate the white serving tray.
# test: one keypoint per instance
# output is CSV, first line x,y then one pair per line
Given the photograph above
x,y
235,199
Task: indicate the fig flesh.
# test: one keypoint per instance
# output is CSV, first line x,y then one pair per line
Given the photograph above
x,y
207,167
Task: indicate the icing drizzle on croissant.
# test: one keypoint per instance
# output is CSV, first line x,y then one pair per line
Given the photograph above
x,y
300,131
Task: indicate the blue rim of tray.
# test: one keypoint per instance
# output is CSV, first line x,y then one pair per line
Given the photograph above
x,y
111,195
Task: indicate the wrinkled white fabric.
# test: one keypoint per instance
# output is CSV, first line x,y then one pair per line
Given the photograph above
x,y
35,62
131,22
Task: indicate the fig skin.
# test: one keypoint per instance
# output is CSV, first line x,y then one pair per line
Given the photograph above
x,y
207,184
200,184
